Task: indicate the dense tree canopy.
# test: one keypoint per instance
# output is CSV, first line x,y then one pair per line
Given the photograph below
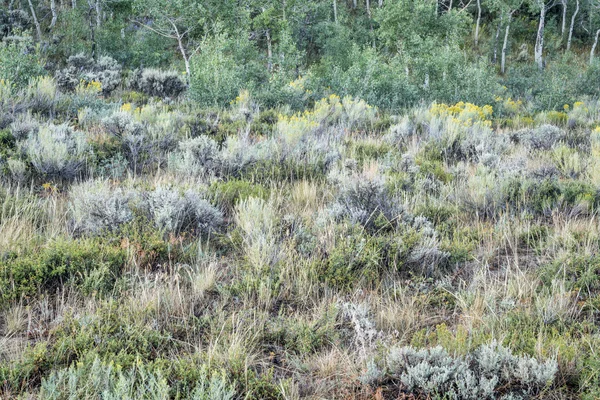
x,y
393,52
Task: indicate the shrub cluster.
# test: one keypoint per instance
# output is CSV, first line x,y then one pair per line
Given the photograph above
x,y
492,371
157,83
106,71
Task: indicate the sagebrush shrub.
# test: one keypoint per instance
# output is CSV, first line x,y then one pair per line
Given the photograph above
x,y
364,199
158,83
98,206
57,152
197,156
105,70
98,379
541,138
121,124
490,370
23,126
175,212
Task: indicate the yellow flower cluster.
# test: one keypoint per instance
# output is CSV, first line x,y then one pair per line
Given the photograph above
x,y
510,106
126,107
242,99
463,113
84,87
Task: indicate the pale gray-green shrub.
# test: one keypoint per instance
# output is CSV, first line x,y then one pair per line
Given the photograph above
x,y
158,83
23,126
102,380
57,151
79,68
197,156
98,206
174,211
121,124
479,375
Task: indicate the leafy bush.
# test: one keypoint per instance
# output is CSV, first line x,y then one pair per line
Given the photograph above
x,y
229,193
42,270
215,78
19,61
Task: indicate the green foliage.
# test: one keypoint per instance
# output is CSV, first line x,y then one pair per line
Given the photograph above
x,y
229,193
20,61
216,76
93,262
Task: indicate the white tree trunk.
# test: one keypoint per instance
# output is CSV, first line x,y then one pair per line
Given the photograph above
x,y
594,47
269,50
572,25
380,3
184,55
478,22
54,15
353,3
73,4
505,45
98,13
564,17
38,30
496,40
335,11
539,41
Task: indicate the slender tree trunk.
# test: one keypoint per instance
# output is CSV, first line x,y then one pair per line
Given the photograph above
x,y
92,28
354,4
478,22
564,18
73,4
184,55
335,11
368,4
38,30
269,50
539,42
496,40
505,45
98,14
572,25
380,3
450,6
53,11
594,47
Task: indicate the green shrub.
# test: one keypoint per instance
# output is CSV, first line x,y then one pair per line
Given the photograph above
x,y
61,261
19,62
229,193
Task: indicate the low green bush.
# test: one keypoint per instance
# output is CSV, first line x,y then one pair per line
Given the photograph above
x,y
59,262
